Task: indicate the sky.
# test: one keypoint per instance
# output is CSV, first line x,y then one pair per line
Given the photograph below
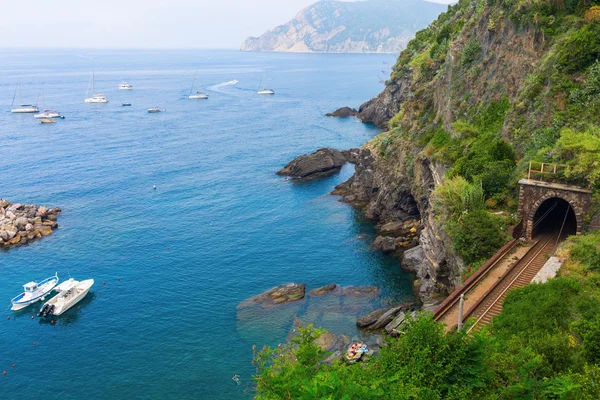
x,y
216,24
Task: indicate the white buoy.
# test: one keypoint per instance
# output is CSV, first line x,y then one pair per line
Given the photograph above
x,y
154,187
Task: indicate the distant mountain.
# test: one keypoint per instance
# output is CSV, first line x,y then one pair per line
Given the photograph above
x,y
371,26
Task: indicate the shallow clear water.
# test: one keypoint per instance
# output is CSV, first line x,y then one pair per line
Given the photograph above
x,y
220,227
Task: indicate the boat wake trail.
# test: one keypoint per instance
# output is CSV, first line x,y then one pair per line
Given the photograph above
x,y
218,86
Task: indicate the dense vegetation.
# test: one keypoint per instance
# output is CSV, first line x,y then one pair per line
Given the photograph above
x,y
545,345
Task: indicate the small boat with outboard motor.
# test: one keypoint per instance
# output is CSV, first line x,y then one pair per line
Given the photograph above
x,y
70,293
154,110
33,292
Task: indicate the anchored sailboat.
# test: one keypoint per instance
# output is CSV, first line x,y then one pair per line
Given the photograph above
x,y
197,95
262,85
96,98
23,108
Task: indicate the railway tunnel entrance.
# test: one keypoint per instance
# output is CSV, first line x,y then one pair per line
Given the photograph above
x,y
554,215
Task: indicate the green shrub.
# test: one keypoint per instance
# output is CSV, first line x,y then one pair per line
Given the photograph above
x,y
456,197
580,151
477,235
581,49
470,51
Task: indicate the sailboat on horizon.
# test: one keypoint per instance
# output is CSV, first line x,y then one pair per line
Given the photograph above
x,y
197,95
23,108
96,98
261,86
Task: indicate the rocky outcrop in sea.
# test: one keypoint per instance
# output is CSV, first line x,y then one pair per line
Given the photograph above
x,y
321,163
21,224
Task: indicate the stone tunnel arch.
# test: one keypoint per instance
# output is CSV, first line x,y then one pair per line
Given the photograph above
x,y
539,196
554,214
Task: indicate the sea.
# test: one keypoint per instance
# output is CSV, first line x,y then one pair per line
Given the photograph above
x,y
171,264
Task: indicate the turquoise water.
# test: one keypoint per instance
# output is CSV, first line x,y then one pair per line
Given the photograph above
x,y
220,227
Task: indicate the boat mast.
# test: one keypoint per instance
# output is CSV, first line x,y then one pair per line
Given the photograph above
x,y
20,96
14,95
194,82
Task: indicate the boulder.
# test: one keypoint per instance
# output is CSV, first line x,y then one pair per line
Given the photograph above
x,y
322,290
42,210
10,215
343,112
21,222
4,203
29,227
277,295
321,163
45,230
4,235
412,259
370,318
384,243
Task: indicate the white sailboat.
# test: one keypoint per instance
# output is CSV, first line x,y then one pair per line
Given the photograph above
x,y
261,87
70,293
23,108
96,98
47,114
197,95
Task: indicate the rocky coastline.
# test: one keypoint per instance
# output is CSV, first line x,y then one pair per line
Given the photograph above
x,y
25,223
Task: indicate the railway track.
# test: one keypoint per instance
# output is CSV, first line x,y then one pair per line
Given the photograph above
x,y
519,275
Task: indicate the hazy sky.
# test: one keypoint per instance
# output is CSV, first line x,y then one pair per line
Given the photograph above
x,y
142,23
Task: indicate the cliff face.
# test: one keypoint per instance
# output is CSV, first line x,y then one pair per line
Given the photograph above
x,y
372,26
481,70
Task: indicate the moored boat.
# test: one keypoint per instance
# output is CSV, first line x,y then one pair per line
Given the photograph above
x,y
198,95
47,114
23,108
47,121
33,292
125,86
70,293
96,98
154,110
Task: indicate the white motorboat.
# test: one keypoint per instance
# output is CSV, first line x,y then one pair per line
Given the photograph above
x,y
23,108
125,86
70,293
34,292
154,110
47,114
264,90
96,98
197,95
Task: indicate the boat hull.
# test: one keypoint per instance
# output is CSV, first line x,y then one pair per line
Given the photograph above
x,y
266,91
93,100
54,114
25,110
198,97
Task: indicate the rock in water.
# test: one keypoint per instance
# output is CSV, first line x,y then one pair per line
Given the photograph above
x,y
277,295
322,290
343,112
321,163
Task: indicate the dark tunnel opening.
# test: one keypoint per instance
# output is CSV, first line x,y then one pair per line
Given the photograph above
x,y
552,215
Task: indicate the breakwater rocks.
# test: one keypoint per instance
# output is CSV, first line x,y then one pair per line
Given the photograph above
x,y
21,224
321,163
343,112
277,295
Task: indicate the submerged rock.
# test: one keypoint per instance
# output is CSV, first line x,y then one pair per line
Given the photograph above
x,y
321,163
343,112
277,295
322,290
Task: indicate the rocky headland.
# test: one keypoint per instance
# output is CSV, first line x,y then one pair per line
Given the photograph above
x,y
321,163
372,26
21,224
